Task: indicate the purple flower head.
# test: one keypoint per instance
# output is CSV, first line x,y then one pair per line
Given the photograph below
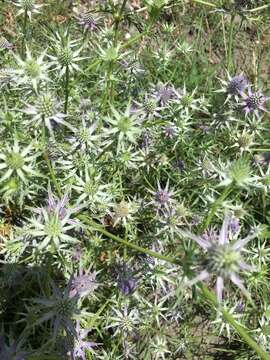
x,y
164,94
59,207
162,197
237,85
83,283
222,257
88,21
81,345
253,102
126,282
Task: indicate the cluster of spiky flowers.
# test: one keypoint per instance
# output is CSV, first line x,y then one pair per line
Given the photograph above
x,y
251,102
116,150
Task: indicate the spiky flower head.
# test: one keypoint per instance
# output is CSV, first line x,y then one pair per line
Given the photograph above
x,y
164,93
125,125
123,212
28,6
237,84
223,258
53,224
81,345
88,21
253,102
32,71
170,131
238,173
45,112
67,53
60,309
17,161
162,197
83,283
233,86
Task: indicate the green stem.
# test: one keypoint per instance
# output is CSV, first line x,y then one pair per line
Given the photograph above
x,y
66,90
52,174
100,229
237,327
47,160
204,3
24,35
259,8
230,62
117,22
215,206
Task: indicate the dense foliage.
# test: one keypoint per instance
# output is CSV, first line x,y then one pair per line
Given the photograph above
x,y
134,180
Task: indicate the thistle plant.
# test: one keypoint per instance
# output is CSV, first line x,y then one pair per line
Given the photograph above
x,y
28,7
253,102
45,113
124,320
162,197
91,190
66,59
124,126
88,21
238,173
18,162
5,44
81,345
31,72
234,86
52,227
60,309
223,258
128,129
83,283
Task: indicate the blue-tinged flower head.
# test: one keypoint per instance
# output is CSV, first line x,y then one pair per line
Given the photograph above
x,y
223,258
253,102
237,84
